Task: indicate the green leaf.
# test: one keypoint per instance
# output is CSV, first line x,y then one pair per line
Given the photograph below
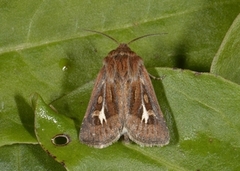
x,y
202,114
26,157
44,49
226,62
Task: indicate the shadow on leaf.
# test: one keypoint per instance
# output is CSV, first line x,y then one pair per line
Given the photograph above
x,y
26,114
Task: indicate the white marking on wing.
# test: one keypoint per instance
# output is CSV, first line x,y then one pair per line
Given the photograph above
x,y
145,115
102,116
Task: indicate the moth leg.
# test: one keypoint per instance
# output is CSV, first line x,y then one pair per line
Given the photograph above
x,y
157,78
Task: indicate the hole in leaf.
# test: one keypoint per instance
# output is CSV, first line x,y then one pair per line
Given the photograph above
x,y
61,139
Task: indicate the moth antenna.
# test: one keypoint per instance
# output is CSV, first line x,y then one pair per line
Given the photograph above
x,y
103,35
147,35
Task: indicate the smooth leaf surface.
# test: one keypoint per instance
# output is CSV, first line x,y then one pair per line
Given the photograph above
x,y
44,49
26,157
226,62
202,114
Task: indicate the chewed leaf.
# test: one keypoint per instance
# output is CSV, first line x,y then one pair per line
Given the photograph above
x,y
55,132
205,110
58,137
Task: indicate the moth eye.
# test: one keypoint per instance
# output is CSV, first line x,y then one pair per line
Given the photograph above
x,y
145,97
100,99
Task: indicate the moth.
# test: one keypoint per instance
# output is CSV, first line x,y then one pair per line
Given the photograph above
x,y
123,102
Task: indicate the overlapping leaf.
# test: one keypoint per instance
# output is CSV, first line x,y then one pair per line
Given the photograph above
x,y
44,49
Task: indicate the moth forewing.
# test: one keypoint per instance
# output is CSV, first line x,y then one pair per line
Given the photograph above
x,y
123,102
100,126
147,126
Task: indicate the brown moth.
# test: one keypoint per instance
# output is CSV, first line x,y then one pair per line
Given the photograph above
x,y
123,102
